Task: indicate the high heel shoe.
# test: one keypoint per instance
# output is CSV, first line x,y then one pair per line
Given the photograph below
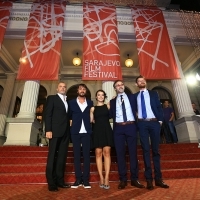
x,y
101,185
106,184
107,187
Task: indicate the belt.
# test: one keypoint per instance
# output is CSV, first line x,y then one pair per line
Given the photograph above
x,y
125,123
148,119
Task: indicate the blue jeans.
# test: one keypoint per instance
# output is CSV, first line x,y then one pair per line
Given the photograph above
x,y
170,132
173,131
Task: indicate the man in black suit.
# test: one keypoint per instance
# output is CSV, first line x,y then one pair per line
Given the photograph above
x,y
123,111
57,131
150,118
81,131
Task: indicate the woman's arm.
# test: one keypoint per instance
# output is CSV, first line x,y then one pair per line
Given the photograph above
x,y
92,115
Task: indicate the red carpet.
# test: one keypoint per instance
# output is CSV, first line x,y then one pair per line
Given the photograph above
x,y
180,189
22,164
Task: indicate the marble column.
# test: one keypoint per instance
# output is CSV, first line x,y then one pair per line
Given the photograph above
x,y
186,127
24,129
29,99
107,86
181,93
5,103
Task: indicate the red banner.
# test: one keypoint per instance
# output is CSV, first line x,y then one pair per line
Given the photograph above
x,y
5,8
101,54
156,57
40,58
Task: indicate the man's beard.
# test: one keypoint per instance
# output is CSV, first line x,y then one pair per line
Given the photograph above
x,y
142,86
121,90
81,94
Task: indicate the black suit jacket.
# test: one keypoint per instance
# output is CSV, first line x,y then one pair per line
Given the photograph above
x,y
56,117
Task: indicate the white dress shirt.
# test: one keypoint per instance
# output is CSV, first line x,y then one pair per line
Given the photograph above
x,y
119,113
64,98
82,107
147,104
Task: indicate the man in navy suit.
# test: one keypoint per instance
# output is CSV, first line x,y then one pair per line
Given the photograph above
x,y
81,131
150,118
123,112
57,131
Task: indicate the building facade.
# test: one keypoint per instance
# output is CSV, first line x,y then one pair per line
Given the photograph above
x,y
23,102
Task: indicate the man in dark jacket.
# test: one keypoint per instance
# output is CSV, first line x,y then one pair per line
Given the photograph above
x,y
57,131
123,111
150,118
81,131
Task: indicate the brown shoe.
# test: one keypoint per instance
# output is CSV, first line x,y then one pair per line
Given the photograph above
x,y
122,184
149,185
161,183
137,184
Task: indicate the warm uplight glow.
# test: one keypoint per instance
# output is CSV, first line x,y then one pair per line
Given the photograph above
x,y
129,62
22,60
191,80
76,61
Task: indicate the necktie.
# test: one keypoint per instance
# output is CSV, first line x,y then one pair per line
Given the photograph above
x,y
144,112
123,109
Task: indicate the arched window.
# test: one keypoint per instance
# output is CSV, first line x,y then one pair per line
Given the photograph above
x,y
17,106
72,92
41,103
127,90
1,92
164,96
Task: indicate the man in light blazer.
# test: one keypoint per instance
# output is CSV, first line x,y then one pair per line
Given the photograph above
x,y
150,118
57,131
81,130
125,132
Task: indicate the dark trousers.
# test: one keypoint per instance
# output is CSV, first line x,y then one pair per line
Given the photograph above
x,y
126,135
56,160
150,129
84,140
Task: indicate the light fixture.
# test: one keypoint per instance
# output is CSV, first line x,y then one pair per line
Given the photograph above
x,y
22,60
76,61
197,77
191,80
128,62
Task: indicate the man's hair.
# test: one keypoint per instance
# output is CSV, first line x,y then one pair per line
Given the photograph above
x,y
140,76
61,82
81,85
116,82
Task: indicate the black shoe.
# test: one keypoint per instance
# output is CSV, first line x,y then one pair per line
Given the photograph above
x,y
53,188
64,185
122,184
77,183
161,183
149,185
137,184
86,185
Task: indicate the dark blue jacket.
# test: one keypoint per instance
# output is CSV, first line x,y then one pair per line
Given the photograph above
x,y
76,115
133,104
155,104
